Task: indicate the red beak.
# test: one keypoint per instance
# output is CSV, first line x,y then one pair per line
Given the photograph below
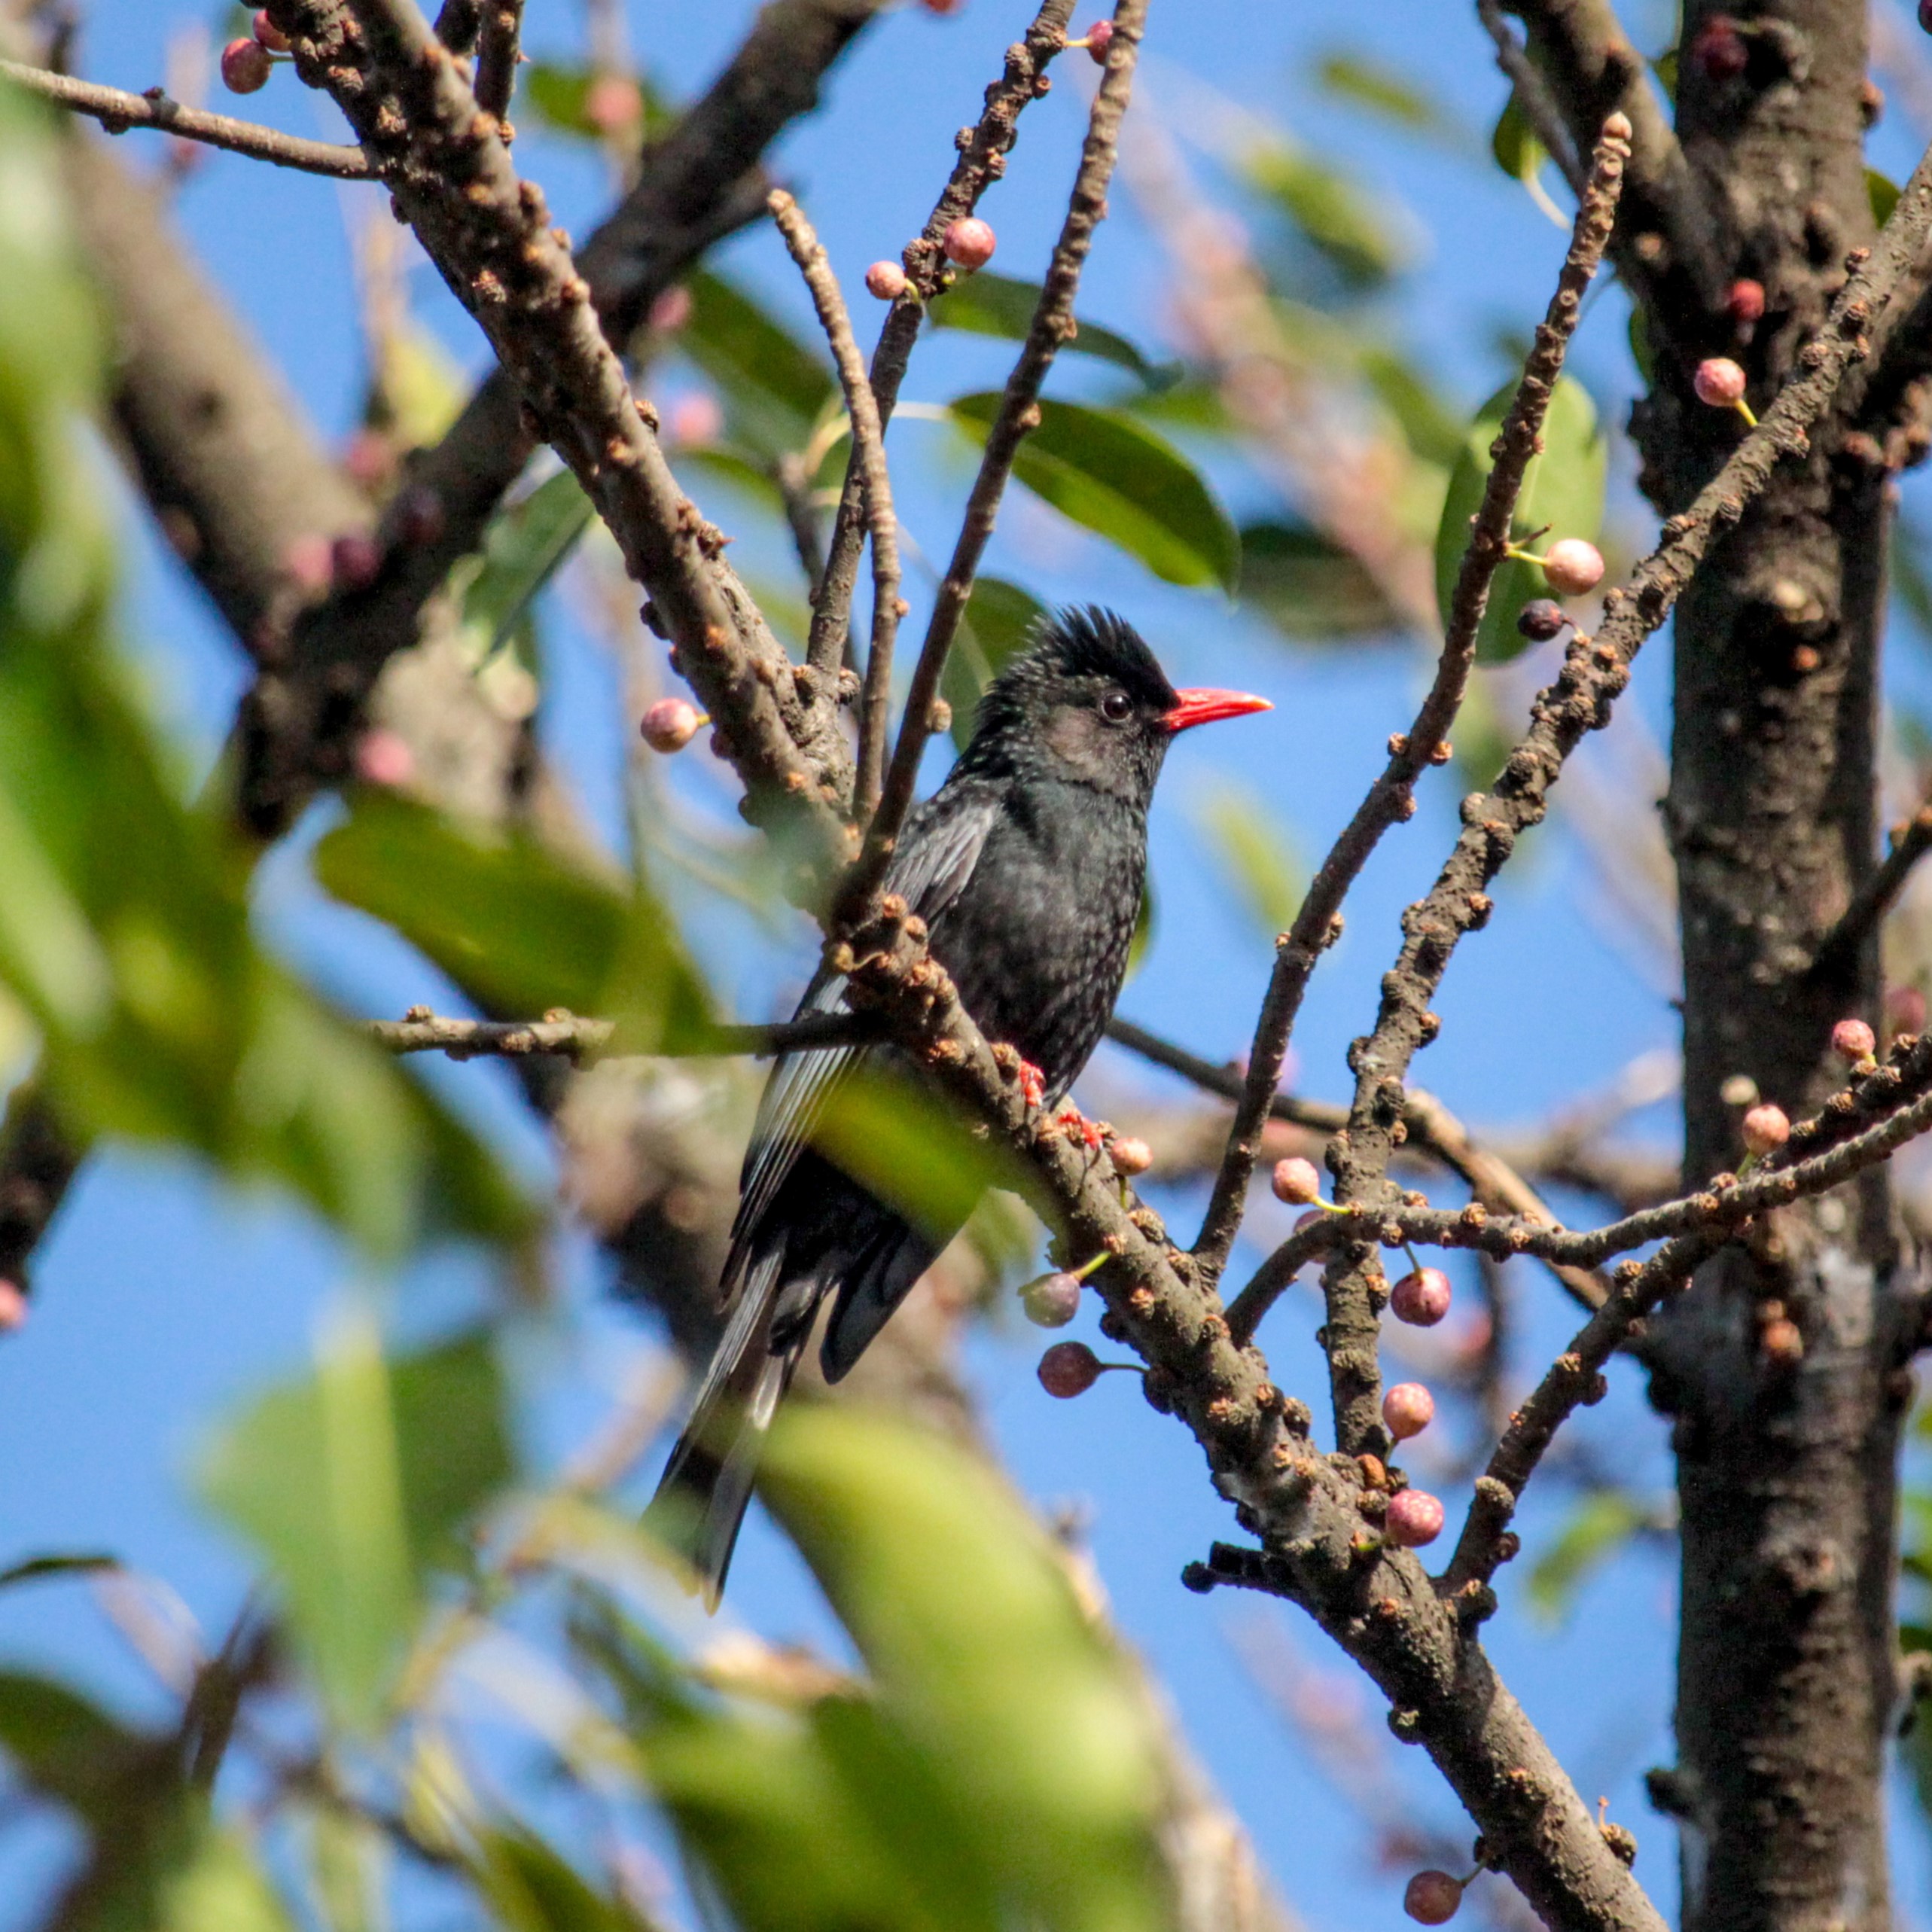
x,y
1204,707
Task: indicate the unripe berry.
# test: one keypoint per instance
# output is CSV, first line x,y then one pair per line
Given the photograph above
x,y
1572,567
1433,1898
697,419
672,310
886,280
1540,619
1745,301
1408,1409
1765,1130
246,66
13,1306
1718,50
1068,1369
612,104
1296,1181
1052,1300
269,34
1129,1156
1852,1040
1719,382
1415,1518
383,758
1421,1299
1099,37
354,560
669,724
969,241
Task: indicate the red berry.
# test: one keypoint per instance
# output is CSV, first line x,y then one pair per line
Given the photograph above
x,y
354,560
942,8
1432,1898
1408,1409
669,724
1745,301
383,758
886,280
1415,1518
1421,1299
1719,51
246,66
969,241
1296,1181
1719,382
1129,1156
1766,1129
1068,1369
269,34
13,1306
1540,619
1852,1040
1098,37
1052,1301
1572,567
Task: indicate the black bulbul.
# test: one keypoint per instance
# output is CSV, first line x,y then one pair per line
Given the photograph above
x,y
1027,866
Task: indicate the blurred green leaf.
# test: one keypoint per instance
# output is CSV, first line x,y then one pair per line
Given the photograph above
x,y
774,390
1432,430
531,1886
984,1661
1348,226
423,386
221,1888
353,1484
67,1746
559,98
1252,853
519,928
1882,192
1311,589
1362,81
1520,155
1562,488
1115,477
521,549
1596,1528
999,304
33,1569
998,618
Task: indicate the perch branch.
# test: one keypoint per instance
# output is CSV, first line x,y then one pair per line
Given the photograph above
x,y
574,1037
497,34
1877,896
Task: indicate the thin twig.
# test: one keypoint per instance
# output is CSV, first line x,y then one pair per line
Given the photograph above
x,y
574,1038
869,457
459,24
1532,94
1018,416
118,110
497,55
1392,799
982,161
1877,896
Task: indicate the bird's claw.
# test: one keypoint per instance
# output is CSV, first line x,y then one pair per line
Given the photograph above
x,y
1072,1118
1032,1083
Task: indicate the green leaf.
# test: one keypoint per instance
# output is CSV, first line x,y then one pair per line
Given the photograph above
x,y
1252,853
1115,477
33,1569
1347,226
1562,488
1000,305
221,1888
1364,82
352,1484
1596,1529
1311,589
558,97
1882,192
532,1887
66,1746
520,929
1520,156
1037,1741
523,549
774,390
998,619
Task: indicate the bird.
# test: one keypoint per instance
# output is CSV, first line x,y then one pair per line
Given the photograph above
x,y
1028,866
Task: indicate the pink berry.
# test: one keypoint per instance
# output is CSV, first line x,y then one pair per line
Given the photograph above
x,y
1296,1181
697,419
1068,1369
612,105
672,310
1745,301
309,564
1905,1010
1718,50
942,8
269,34
1310,1220
669,724
1129,1155
369,456
1572,567
1099,37
1408,1409
1925,15
13,1306
1415,1518
246,66
354,560
1052,1300
1421,1299
1433,1898
1766,1129
1719,382
383,757
1852,1040
886,280
969,241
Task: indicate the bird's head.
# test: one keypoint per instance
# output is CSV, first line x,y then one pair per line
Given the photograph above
x,y
1087,702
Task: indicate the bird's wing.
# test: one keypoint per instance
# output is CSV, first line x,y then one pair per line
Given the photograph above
x,y
936,857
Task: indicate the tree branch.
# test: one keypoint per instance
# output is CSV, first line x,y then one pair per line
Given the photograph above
x,y
1391,798
1532,93
574,1038
498,32
118,110
1877,896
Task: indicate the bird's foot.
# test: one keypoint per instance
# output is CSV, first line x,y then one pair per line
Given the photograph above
x,y
1093,1133
1032,1083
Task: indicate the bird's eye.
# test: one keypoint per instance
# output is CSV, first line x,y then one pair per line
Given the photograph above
x,y
1116,707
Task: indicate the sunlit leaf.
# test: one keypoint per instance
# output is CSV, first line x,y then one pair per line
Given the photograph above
x,y
1348,226
999,304
774,389
1252,853
1882,192
522,549
532,1887
1562,489
1311,589
1596,1528
1520,155
1117,478
221,1888
999,618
